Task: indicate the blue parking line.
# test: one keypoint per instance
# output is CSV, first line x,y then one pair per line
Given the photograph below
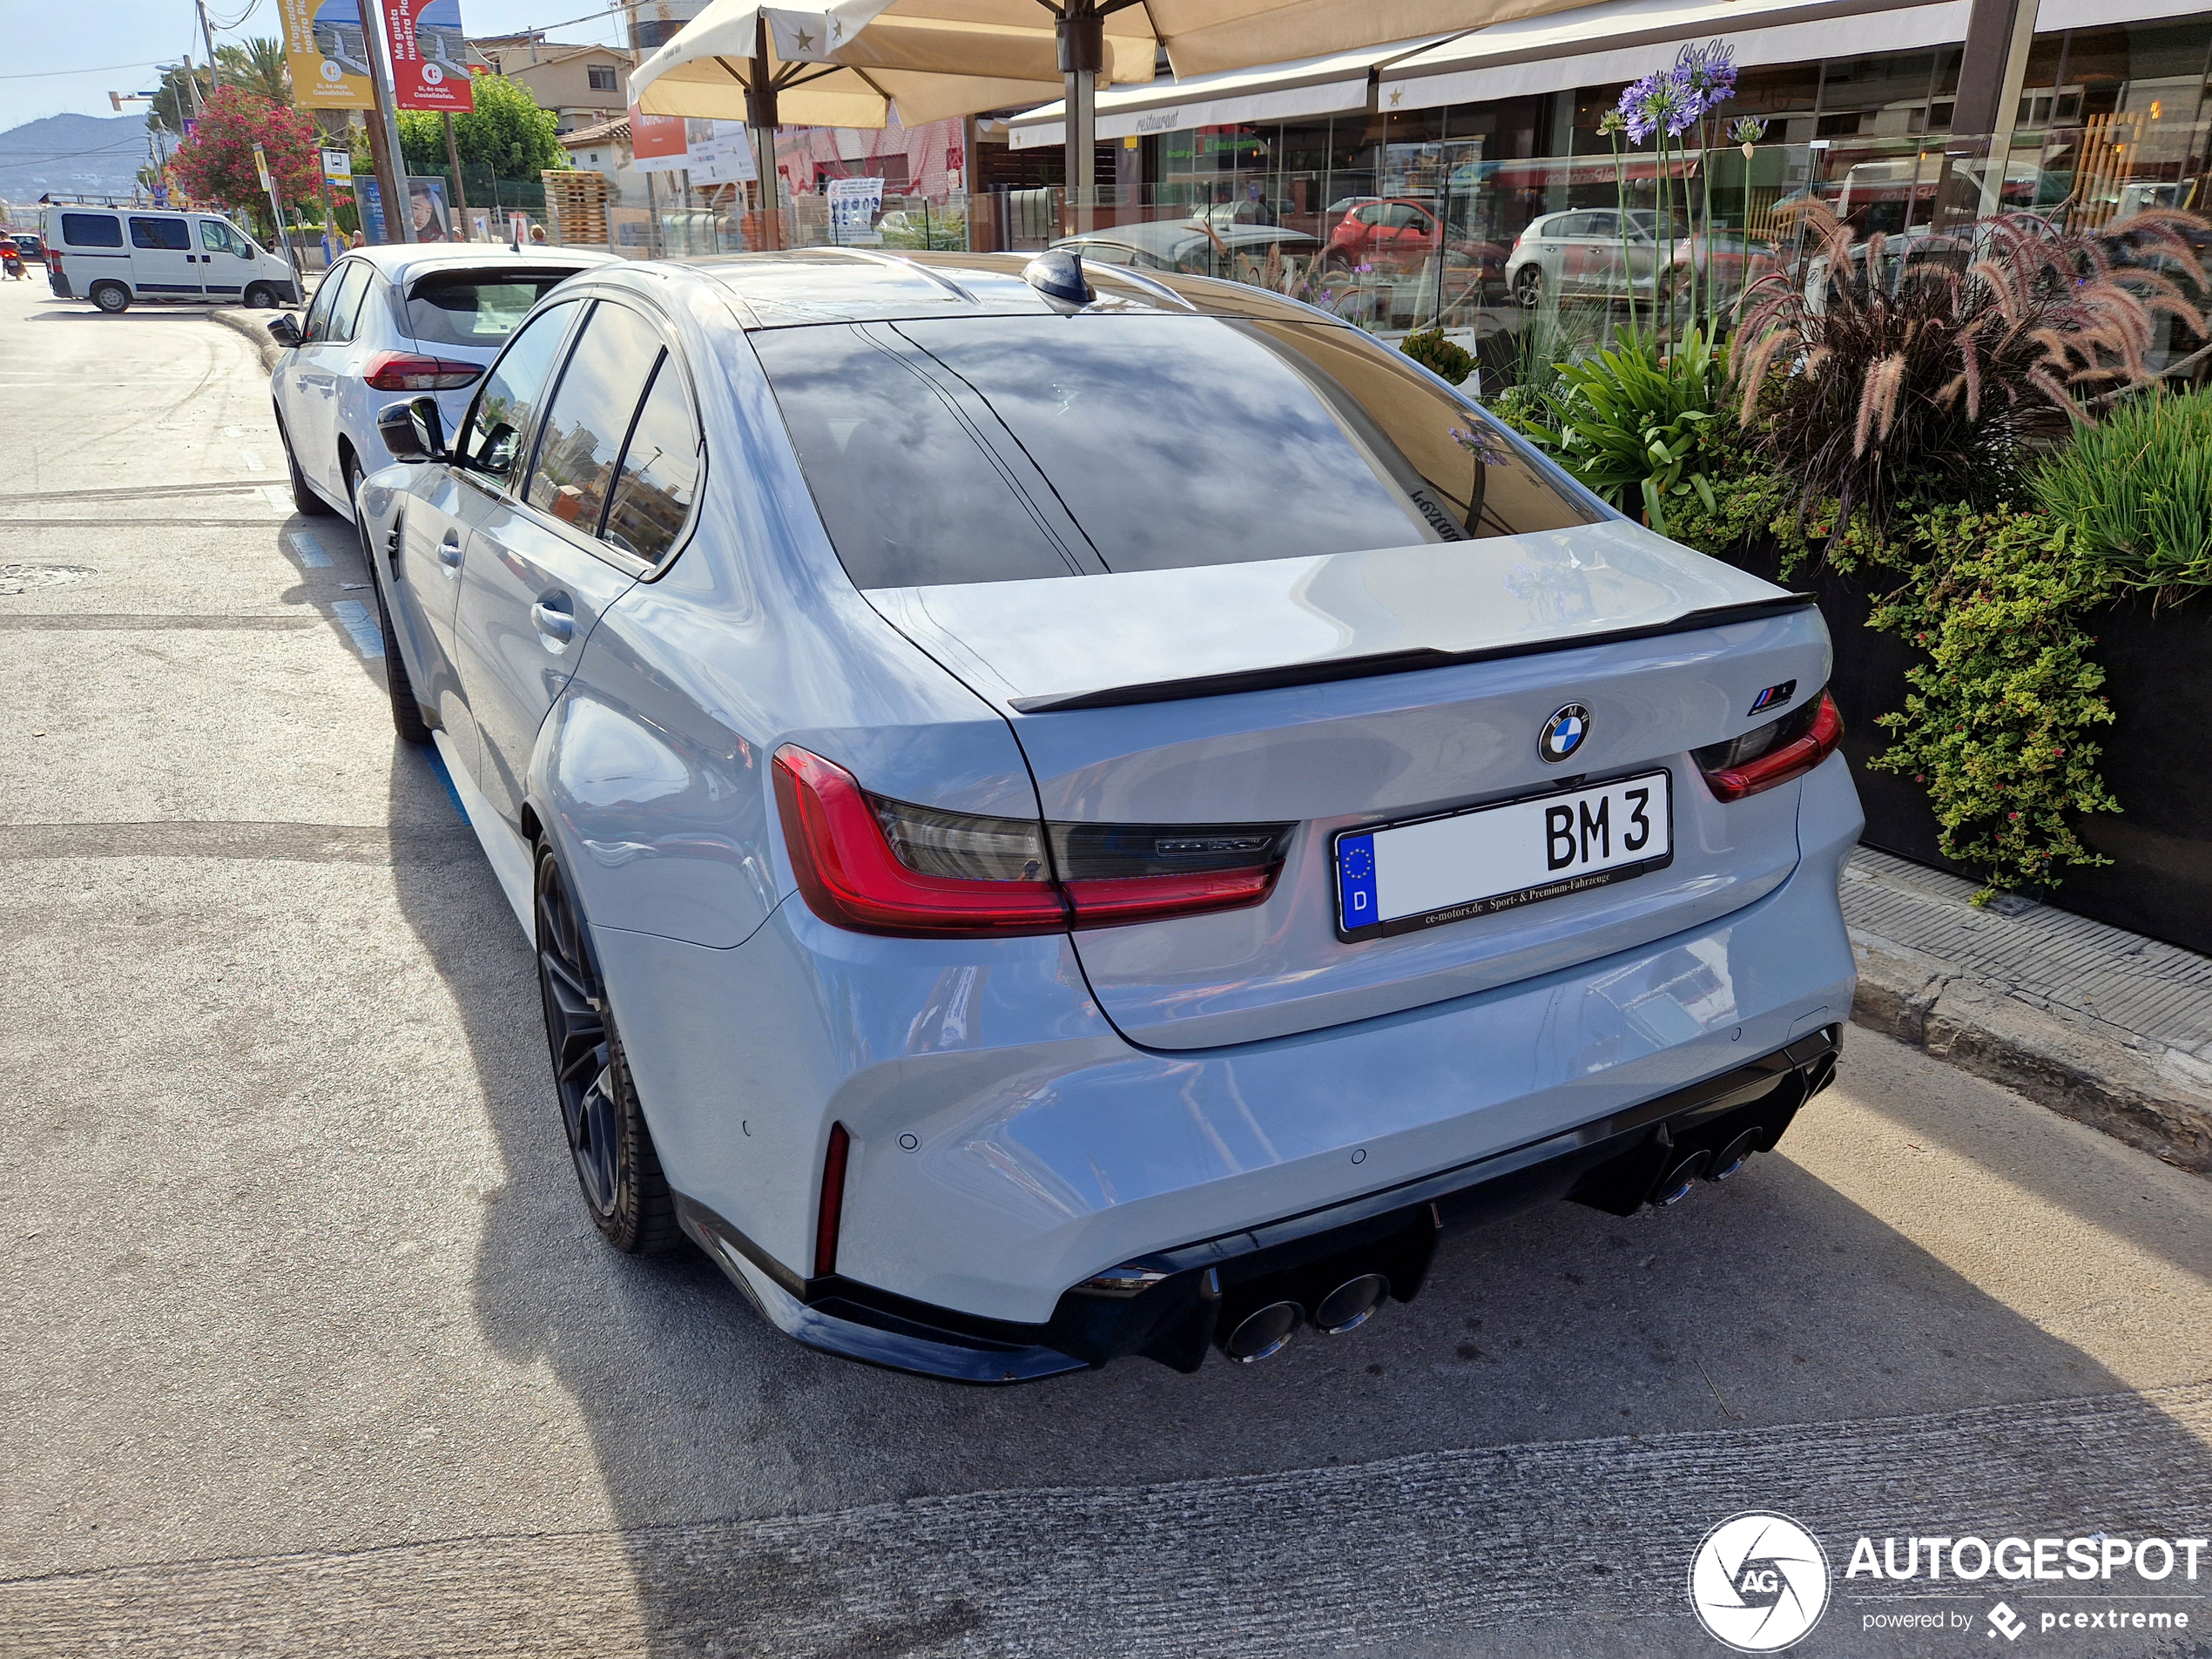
x,y
307,548
438,764
354,617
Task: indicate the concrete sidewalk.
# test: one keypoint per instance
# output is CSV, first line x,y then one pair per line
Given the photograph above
x,y
2102,1025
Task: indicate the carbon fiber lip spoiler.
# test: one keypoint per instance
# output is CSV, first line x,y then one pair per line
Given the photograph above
x,y
1398,662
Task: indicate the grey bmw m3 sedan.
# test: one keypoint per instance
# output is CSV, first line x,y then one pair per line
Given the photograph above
x,y
1067,813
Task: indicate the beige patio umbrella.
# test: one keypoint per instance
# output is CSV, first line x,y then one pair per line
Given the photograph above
x,y
850,63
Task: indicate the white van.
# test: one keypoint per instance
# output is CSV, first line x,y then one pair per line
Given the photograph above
x,y
114,255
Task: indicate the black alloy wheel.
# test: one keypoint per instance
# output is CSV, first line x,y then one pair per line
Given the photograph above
x,y
616,1164
409,719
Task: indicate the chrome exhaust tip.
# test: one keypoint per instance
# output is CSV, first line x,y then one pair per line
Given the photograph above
x,y
1728,1162
1677,1184
1351,1305
1262,1334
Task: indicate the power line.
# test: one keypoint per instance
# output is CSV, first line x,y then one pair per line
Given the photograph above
x,y
98,69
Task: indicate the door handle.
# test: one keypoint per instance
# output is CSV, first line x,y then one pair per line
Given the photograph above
x,y
449,553
555,628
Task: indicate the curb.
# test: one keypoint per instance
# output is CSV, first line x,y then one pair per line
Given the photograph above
x,y
2152,1097
251,324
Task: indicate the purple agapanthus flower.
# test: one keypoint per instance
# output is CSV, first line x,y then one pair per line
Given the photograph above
x,y
1707,75
1656,102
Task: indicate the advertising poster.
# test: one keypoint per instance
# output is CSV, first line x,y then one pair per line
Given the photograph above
x,y
371,195
657,143
721,153
325,52
430,55
427,210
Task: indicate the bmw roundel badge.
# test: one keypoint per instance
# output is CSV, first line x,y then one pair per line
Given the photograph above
x,y
1563,733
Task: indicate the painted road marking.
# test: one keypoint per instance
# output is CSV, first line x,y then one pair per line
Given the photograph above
x,y
354,617
279,497
308,551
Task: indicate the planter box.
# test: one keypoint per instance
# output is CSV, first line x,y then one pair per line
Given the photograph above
x,y
2157,756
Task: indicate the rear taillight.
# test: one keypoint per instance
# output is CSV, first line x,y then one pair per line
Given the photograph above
x,y
887,866
394,371
1774,753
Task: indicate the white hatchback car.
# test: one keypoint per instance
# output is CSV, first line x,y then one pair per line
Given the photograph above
x,y
391,321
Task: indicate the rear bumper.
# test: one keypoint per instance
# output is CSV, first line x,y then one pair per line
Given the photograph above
x,y
60,284
1616,1162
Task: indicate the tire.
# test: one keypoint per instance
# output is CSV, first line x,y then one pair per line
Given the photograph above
x,y
260,296
110,297
407,716
617,1167
1529,288
304,498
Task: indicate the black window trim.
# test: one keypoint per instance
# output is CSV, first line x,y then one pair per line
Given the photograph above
x,y
628,564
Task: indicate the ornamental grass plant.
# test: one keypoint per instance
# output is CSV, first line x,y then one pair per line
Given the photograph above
x,y
2136,488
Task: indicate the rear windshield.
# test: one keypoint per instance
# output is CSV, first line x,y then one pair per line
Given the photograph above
x,y
1010,448
464,310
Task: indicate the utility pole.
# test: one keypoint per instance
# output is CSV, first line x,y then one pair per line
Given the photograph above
x,y
460,191
214,71
384,135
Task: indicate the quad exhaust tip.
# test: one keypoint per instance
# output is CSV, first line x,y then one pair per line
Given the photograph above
x,y
1262,1334
1680,1180
1728,1162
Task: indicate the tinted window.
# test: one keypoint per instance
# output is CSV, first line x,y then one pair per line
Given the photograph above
x,y
660,467
512,391
474,311
909,493
326,296
591,415
93,230
160,233
344,311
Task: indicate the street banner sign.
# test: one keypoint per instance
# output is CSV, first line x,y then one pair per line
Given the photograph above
x,y
371,198
324,47
657,143
338,166
853,205
261,166
430,55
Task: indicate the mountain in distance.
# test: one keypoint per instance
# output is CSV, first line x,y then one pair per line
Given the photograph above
x,y
78,155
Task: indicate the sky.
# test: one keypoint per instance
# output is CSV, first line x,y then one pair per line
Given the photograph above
x,y
68,57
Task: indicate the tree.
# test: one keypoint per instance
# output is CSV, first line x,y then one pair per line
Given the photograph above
x,y
258,67
506,132
216,164
174,104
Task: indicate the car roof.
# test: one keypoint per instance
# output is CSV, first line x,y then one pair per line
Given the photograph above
x,y
399,259
857,284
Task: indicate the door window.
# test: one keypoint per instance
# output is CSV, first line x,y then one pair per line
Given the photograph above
x,y
590,413
345,315
512,391
162,233
326,296
659,470
218,236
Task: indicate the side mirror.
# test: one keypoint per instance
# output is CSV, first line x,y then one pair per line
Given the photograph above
x,y
412,431
284,328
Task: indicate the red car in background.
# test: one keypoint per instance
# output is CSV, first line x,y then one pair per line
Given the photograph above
x,y
1399,235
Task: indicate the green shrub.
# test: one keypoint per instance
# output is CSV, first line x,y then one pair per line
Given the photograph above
x,y
1431,350
1630,422
1995,727
2137,490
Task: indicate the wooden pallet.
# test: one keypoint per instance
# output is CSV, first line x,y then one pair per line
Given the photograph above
x,y
576,203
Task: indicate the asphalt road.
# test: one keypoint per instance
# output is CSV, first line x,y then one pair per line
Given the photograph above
x,y
308,1347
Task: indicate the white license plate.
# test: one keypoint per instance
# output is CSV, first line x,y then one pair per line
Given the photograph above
x,y
1403,877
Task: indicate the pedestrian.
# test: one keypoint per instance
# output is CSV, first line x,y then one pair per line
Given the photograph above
x,y
537,233
356,240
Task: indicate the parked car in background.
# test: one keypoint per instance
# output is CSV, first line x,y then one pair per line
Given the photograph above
x,y
1192,247
1581,253
1067,812
1400,234
387,322
115,256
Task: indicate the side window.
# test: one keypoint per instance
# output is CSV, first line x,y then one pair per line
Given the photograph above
x,y
160,233
512,391
318,323
91,230
1371,214
345,315
659,470
1601,224
591,415
214,236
